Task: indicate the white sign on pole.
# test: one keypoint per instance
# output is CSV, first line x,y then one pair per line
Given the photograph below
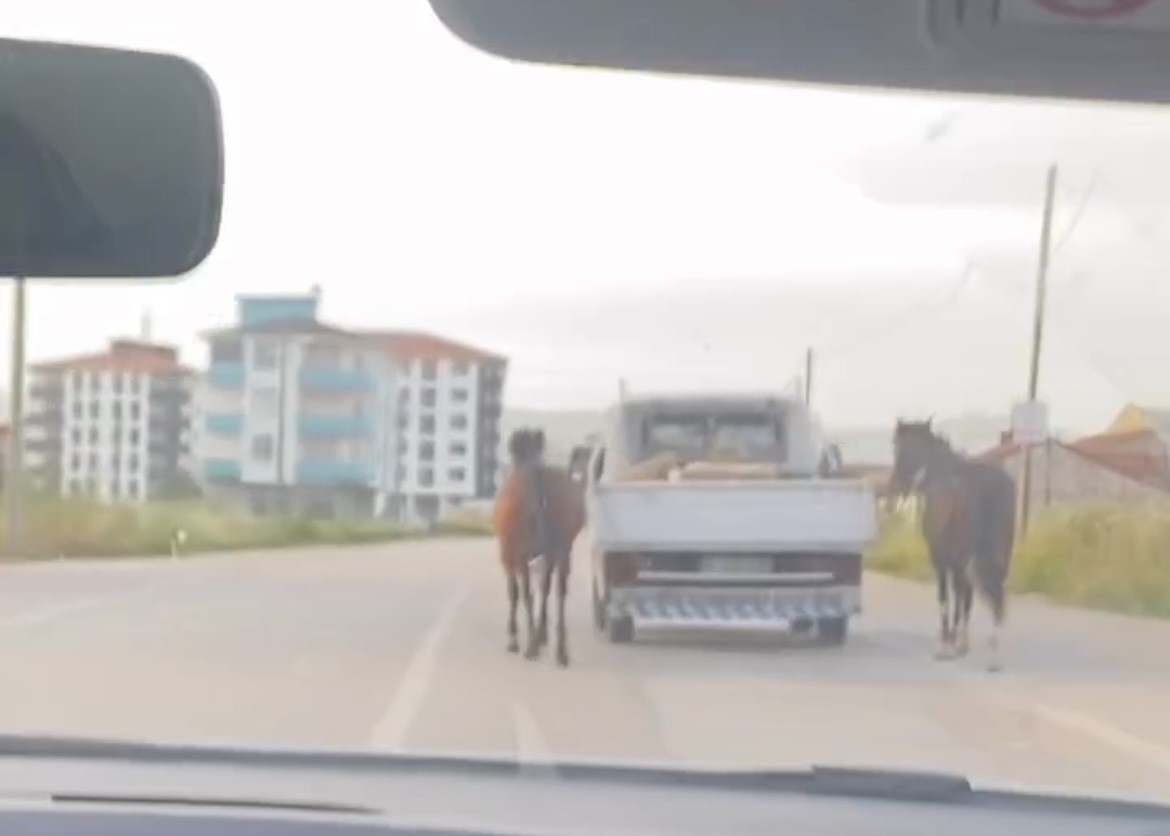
x,y
1030,422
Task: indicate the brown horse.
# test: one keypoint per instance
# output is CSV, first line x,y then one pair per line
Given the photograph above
x,y
539,512
968,521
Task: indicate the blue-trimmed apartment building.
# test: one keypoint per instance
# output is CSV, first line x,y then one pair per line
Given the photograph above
x,y
303,418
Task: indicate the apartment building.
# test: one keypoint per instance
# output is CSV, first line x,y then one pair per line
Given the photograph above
x,y
113,425
303,417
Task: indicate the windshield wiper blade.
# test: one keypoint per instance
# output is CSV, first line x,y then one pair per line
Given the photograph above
x,y
210,801
890,784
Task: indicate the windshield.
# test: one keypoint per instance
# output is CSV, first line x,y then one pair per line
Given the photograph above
x,y
237,529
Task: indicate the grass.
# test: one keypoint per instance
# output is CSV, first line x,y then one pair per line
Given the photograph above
x,y
1114,558
76,528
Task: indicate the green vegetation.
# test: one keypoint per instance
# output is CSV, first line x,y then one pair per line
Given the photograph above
x,y
77,528
1114,558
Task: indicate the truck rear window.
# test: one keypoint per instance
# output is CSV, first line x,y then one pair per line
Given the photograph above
x,y
747,435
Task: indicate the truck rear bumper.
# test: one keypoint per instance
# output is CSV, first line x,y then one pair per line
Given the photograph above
x,y
740,607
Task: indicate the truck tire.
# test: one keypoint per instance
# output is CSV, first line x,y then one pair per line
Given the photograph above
x,y
833,631
620,630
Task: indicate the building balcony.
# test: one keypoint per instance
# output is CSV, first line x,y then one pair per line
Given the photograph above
x,y
332,426
325,379
221,470
223,423
225,375
332,472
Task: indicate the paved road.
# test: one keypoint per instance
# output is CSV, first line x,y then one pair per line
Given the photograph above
x,y
403,646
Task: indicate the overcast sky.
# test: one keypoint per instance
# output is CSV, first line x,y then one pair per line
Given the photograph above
x,y
680,233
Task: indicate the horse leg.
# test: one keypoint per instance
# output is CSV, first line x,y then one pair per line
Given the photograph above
x,y
944,636
548,566
513,604
964,593
562,593
533,648
997,598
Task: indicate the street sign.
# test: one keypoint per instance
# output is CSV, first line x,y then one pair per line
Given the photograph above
x,y
1133,15
1030,422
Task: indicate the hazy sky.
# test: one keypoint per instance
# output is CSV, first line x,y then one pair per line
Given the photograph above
x,y
681,233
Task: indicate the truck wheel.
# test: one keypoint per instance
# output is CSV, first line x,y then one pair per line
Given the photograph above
x,y
598,609
620,630
833,631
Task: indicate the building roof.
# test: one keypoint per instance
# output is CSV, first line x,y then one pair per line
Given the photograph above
x,y
420,345
123,355
1107,450
283,326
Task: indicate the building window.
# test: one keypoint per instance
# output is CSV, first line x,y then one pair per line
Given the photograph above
x,y
456,474
428,370
262,448
427,397
457,448
458,422
133,461
426,451
426,424
227,350
459,395
93,435
77,411
264,402
134,435
265,354
426,477
75,462
135,410
76,436
95,409
460,367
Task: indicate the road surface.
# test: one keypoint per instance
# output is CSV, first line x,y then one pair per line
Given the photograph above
x,y
402,646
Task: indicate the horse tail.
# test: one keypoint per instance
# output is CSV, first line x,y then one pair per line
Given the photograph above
x,y
993,557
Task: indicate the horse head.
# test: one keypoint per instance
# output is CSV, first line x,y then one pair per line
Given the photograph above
x,y
526,446
914,442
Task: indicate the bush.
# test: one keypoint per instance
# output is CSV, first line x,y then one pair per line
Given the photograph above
x,y
1108,557
79,528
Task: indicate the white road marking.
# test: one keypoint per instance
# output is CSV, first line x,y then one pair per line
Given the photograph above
x,y
47,614
390,731
1154,754
533,753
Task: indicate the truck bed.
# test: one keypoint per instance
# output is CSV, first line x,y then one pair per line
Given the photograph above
x,y
733,516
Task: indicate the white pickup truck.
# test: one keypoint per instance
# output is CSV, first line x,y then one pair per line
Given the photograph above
x,y
717,511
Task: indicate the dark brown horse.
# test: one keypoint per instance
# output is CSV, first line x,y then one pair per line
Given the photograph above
x,y
539,512
968,521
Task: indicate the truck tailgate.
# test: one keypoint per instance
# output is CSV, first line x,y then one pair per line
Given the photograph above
x,y
838,515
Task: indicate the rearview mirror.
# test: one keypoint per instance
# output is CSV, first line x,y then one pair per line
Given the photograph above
x,y
1083,49
111,163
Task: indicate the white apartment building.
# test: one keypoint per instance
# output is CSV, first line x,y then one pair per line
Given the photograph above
x,y
302,417
113,425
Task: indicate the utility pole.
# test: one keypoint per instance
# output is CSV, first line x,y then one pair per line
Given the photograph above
x,y
14,487
1038,332
808,377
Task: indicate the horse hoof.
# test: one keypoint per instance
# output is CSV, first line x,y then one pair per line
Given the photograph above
x,y
533,652
513,646
994,667
563,659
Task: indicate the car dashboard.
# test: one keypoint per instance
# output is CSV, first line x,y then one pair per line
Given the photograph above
x,y
96,790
